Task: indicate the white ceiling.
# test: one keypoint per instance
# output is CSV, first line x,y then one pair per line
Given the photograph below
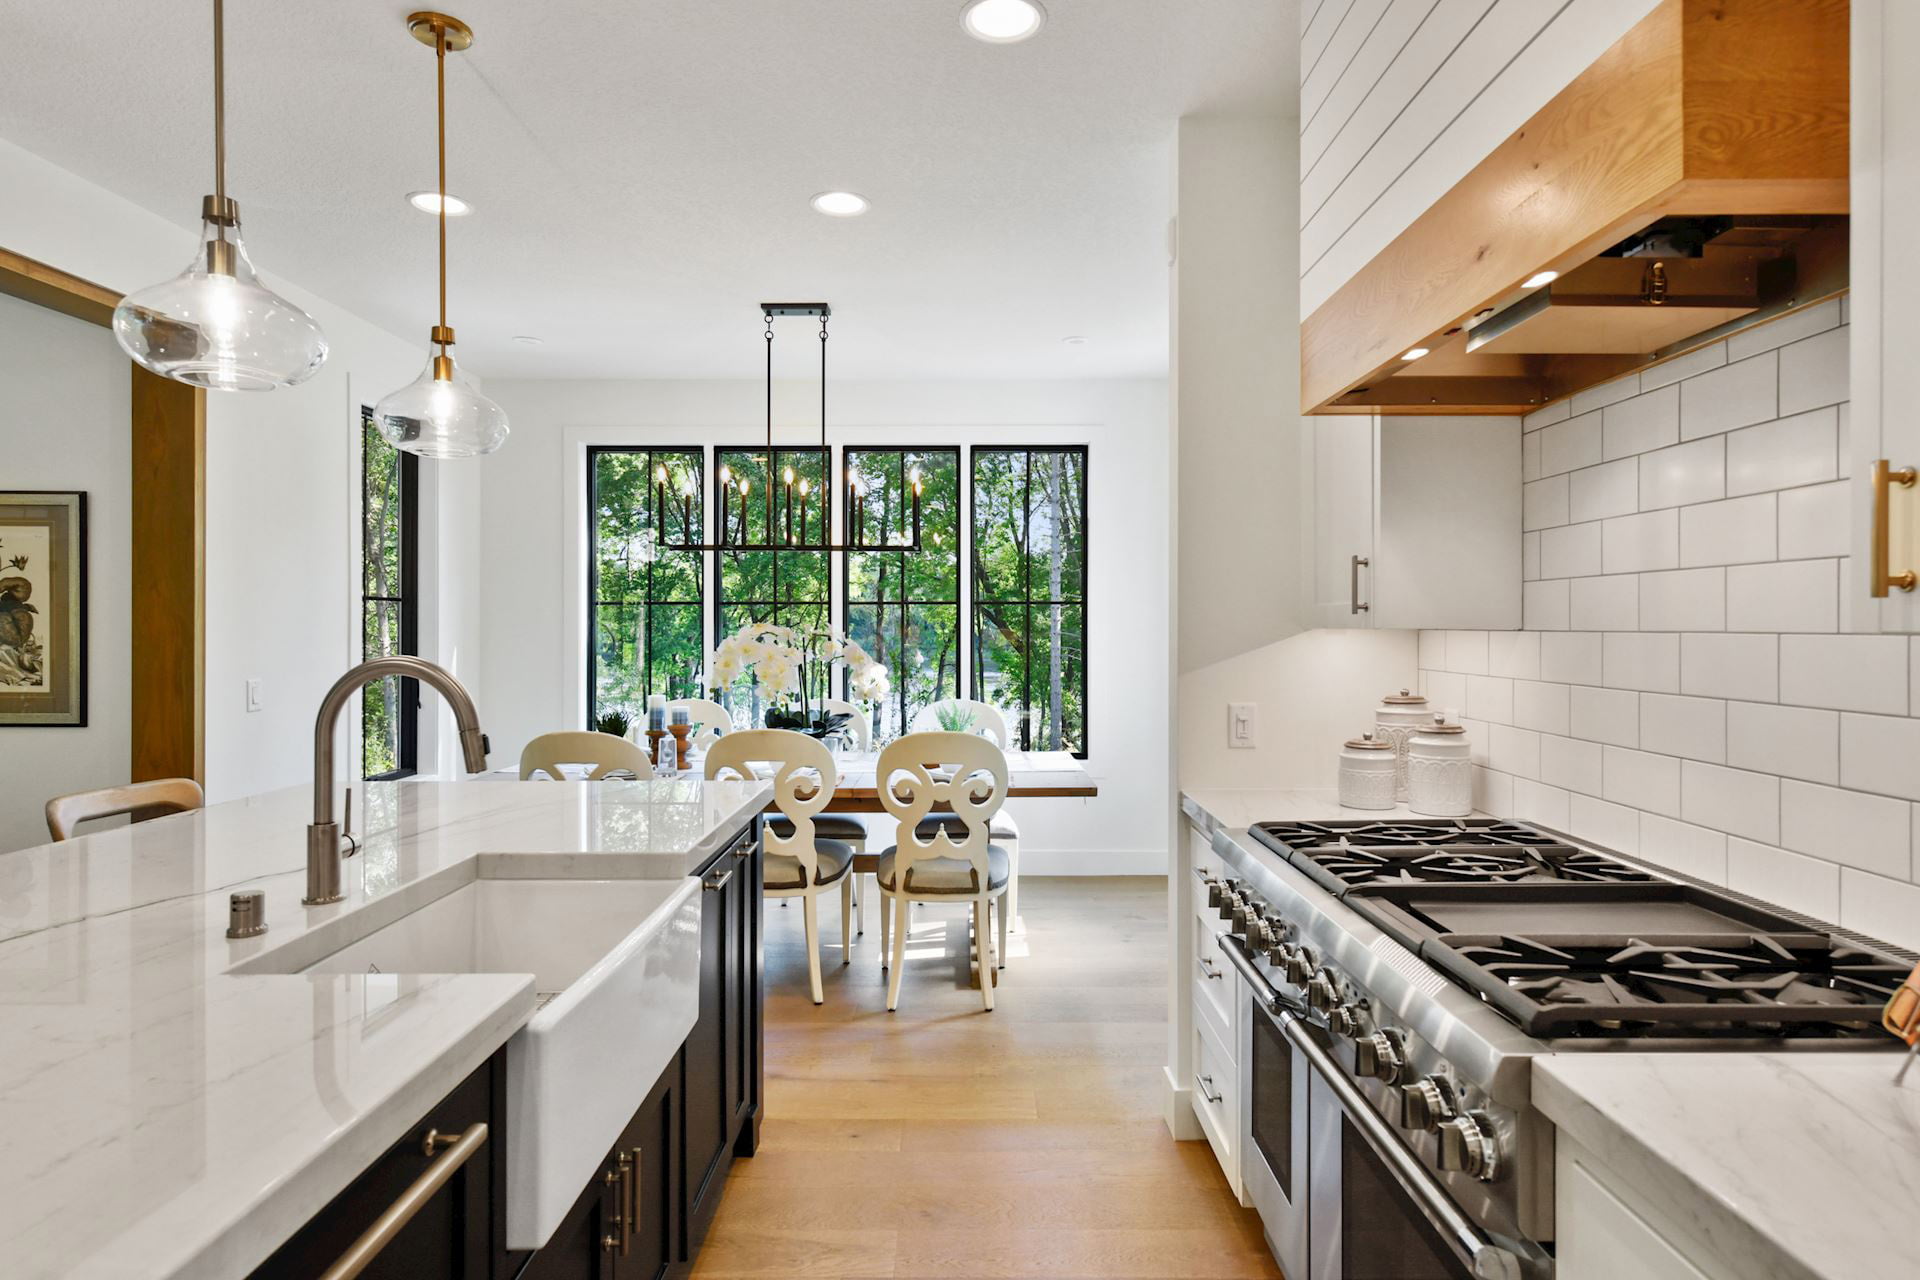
x,y
641,169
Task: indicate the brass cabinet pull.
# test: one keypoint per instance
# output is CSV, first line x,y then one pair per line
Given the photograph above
x,y
456,1152
1884,478
633,1196
1205,1084
1353,584
620,1177
1206,968
713,884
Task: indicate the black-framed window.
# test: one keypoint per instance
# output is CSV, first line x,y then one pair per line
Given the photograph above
x,y
904,607
1029,624
790,588
643,616
389,598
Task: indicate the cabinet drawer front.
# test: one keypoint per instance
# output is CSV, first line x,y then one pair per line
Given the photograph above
x,y
1214,986
1214,1086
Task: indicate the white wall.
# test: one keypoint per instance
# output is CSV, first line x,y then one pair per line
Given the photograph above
x,y
1684,688
533,557
282,490
1400,99
64,399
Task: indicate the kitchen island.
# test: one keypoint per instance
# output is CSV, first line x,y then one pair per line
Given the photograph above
x,y
161,1116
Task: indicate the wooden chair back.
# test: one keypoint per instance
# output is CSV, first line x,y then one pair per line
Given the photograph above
x,y
861,726
987,719
605,752
966,772
710,720
804,777
140,799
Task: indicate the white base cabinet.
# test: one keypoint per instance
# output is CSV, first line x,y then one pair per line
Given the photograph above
x,y
1606,1232
1412,522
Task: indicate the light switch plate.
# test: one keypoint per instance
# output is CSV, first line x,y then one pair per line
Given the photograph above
x,y
254,699
1241,724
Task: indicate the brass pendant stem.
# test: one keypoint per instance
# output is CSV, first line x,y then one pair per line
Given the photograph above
x,y
219,101
440,87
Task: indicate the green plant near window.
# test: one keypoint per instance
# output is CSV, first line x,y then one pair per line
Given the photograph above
x,y
614,722
955,718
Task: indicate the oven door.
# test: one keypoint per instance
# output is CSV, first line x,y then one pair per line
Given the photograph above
x,y
1273,1126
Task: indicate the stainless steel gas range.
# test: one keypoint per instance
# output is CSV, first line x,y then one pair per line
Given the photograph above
x,y
1398,978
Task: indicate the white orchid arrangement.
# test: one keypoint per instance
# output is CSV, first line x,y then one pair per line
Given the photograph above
x,y
789,662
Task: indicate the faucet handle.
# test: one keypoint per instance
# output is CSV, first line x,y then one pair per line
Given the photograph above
x,y
346,826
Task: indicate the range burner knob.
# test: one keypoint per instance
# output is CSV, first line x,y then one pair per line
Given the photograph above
x,y
1468,1145
1382,1056
1229,899
1322,994
1244,915
1344,1020
1300,965
1426,1102
1216,890
1270,935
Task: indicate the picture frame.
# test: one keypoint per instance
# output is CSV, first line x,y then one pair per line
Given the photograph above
x,y
43,608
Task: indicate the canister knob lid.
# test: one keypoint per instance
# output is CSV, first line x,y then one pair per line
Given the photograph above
x,y
1367,742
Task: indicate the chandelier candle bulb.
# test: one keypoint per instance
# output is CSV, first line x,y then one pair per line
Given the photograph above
x,y
803,513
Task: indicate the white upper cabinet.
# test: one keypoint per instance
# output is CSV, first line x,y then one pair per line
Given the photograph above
x,y
1885,305
1413,522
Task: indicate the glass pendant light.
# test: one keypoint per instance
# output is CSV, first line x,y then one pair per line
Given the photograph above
x,y
214,324
441,414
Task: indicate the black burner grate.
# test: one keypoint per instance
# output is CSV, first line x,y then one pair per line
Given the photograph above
x,y
1343,855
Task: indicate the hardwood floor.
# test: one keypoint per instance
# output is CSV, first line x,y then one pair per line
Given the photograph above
x,y
945,1141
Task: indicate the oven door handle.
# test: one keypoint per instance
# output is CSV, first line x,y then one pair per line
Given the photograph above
x,y
1265,994
1482,1256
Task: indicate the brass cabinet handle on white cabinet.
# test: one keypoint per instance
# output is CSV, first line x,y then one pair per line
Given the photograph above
x,y
1354,584
1884,478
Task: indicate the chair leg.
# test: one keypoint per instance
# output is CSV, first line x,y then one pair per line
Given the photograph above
x,y
886,926
1011,903
981,946
846,919
811,910
1005,913
859,903
898,905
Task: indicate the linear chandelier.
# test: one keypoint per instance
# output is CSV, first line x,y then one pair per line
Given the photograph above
x,y
783,516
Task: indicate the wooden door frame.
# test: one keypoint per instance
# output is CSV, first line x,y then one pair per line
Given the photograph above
x,y
167,428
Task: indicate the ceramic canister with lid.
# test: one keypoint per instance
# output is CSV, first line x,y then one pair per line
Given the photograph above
x,y
1440,770
1367,773
1395,719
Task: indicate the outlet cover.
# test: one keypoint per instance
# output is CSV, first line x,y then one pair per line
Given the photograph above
x,y
1242,724
255,700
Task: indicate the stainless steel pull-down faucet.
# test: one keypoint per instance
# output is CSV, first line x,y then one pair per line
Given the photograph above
x,y
323,835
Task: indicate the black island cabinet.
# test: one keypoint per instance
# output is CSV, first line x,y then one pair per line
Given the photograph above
x,y
432,1207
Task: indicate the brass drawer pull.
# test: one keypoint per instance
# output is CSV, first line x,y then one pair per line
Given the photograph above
x,y
715,883
1885,476
454,1152
1206,968
1204,1083
1353,584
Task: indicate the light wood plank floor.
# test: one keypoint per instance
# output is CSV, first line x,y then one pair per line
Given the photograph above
x,y
945,1141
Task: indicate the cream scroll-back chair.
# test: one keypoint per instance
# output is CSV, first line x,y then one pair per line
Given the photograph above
x,y
710,721
952,862
988,722
139,800
549,752
799,863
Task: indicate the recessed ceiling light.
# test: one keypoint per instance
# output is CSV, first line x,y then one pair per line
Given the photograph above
x,y
1414,353
528,340
1539,278
1002,21
429,202
1075,341
840,204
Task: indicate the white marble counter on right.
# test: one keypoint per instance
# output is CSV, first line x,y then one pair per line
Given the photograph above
x,y
1791,1166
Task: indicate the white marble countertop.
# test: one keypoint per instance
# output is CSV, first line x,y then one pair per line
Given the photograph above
x,y
160,1117
1231,808
1795,1166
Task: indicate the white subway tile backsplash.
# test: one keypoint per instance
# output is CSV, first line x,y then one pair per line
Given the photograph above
x,y
1541,706
1571,764
1813,372
1737,531
1544,606
1803,449
1570,551
1913,679
1613,825
1789,880
1869,832
1880,908
1558,411
1641,660
1604,604
1794,742
1446,690
1679,846
1788,595
1695,728
1533,802
1814,521
1514,751
1730,666
1684,600
1514,654
1543,503
1478,735
1605,715
1529,556
1686,473
1530,456
1736,395
1641,780
1606,393
1490,698
1467,652
1492,791
1633,544
1570,445
1433,650
1880,753
1645,422
1730,800
1572,657
1847,673
1685,366
1803,323
1611,489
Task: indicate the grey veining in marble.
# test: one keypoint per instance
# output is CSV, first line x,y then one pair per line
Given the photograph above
x,y
160,1117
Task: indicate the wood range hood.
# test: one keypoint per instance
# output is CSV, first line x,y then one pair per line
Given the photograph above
x,y
1689,183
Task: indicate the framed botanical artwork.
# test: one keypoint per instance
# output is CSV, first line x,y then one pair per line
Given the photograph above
x,y
43,608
